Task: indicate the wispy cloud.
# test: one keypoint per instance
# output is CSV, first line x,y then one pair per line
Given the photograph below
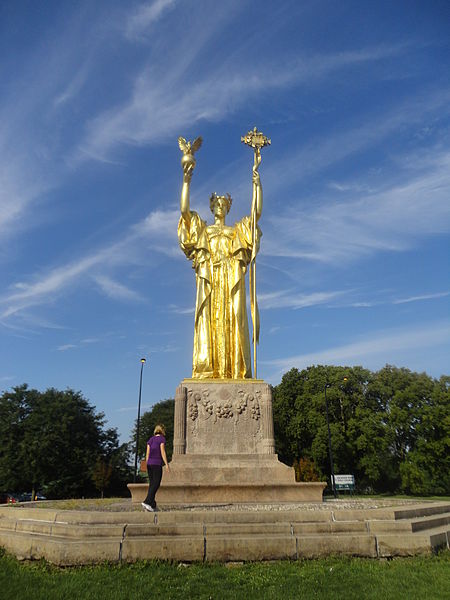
x,y
422,297
383,345
45,287
178,310
116,290
394,301
144,16
165,101
80,344
65,347
391,219
289,299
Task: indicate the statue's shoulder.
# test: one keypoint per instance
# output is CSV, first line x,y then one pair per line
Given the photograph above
x,y
196,220
244,222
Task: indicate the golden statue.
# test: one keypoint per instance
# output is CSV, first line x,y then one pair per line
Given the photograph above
x,y
220,255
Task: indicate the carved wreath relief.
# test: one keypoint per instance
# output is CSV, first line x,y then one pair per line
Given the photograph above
x,y
224,419
245,405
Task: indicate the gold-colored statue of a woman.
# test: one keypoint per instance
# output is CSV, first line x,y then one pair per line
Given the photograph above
x,y
220,255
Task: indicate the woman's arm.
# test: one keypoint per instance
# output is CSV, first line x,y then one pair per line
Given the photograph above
x,y
147,454
163,454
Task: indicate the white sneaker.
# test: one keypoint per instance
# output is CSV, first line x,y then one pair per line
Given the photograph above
x,y
147,507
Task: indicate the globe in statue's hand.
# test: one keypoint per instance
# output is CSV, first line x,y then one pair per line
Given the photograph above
x,y
188,160
188,149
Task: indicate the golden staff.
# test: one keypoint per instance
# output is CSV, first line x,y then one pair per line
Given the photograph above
x,y
256,140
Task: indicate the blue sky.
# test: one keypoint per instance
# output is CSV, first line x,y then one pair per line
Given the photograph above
x,y
354,261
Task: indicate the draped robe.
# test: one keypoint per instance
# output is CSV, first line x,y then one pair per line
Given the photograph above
x,y
220,256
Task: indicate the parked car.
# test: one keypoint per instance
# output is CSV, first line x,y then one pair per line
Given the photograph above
x,y
37,496
10,498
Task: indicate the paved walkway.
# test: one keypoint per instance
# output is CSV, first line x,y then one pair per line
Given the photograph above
x,y
125,505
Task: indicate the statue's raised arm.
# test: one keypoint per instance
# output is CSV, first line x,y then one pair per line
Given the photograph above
x,y
257,198
188,164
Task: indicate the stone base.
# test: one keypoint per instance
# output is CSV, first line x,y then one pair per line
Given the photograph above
x,y
241,478
224,448
175,493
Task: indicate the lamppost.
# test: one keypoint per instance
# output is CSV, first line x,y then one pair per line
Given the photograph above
x,y
333,483
138,421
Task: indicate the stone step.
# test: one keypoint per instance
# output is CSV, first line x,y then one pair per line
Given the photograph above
x,y
91,537
413,525
214,521
430,522
422,510
394,544
393,512
216,547
60,550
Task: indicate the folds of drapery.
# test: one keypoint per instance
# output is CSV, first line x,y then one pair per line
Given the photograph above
x,y
244,244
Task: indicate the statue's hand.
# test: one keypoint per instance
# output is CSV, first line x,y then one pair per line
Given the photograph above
x,y
257,161
188,169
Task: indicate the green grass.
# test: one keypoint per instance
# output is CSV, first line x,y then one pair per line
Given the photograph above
x,y
346,495
424,578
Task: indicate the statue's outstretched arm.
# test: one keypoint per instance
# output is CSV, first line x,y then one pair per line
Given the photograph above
x,y
257,199
188,169
188,163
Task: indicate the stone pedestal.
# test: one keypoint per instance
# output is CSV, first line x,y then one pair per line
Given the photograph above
x,y
224,448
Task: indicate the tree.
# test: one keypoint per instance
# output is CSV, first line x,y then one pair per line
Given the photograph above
x,y
101,475
426,469
300,414
51,442
390,428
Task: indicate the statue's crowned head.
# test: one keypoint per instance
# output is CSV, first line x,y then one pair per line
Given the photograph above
x,y
214,197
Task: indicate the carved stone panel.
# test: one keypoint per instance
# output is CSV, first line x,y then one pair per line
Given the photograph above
x,y
228,418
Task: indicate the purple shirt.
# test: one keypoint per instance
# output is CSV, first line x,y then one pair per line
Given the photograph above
x,y
154,457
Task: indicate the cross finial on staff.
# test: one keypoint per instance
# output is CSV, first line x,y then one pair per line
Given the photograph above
x,y
255,139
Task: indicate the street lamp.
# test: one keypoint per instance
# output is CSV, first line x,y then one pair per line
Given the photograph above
x,y
333,483
138,420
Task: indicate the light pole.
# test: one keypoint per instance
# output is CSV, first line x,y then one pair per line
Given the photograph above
x,y
333,483
138,421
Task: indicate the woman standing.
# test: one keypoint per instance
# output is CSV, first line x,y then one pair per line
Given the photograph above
x,y
156,457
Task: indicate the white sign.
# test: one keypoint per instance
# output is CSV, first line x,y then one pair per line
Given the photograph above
x,y
344,479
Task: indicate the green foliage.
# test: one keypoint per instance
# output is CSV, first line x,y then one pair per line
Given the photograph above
x,y
51,442
391,429
306,470
101,475
162,413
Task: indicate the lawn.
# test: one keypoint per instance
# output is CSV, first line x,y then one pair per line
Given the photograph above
x,y
423,578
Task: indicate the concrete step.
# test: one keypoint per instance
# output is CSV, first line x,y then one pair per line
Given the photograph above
x,y
430,522
393,544
422,510
412,525
60,550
